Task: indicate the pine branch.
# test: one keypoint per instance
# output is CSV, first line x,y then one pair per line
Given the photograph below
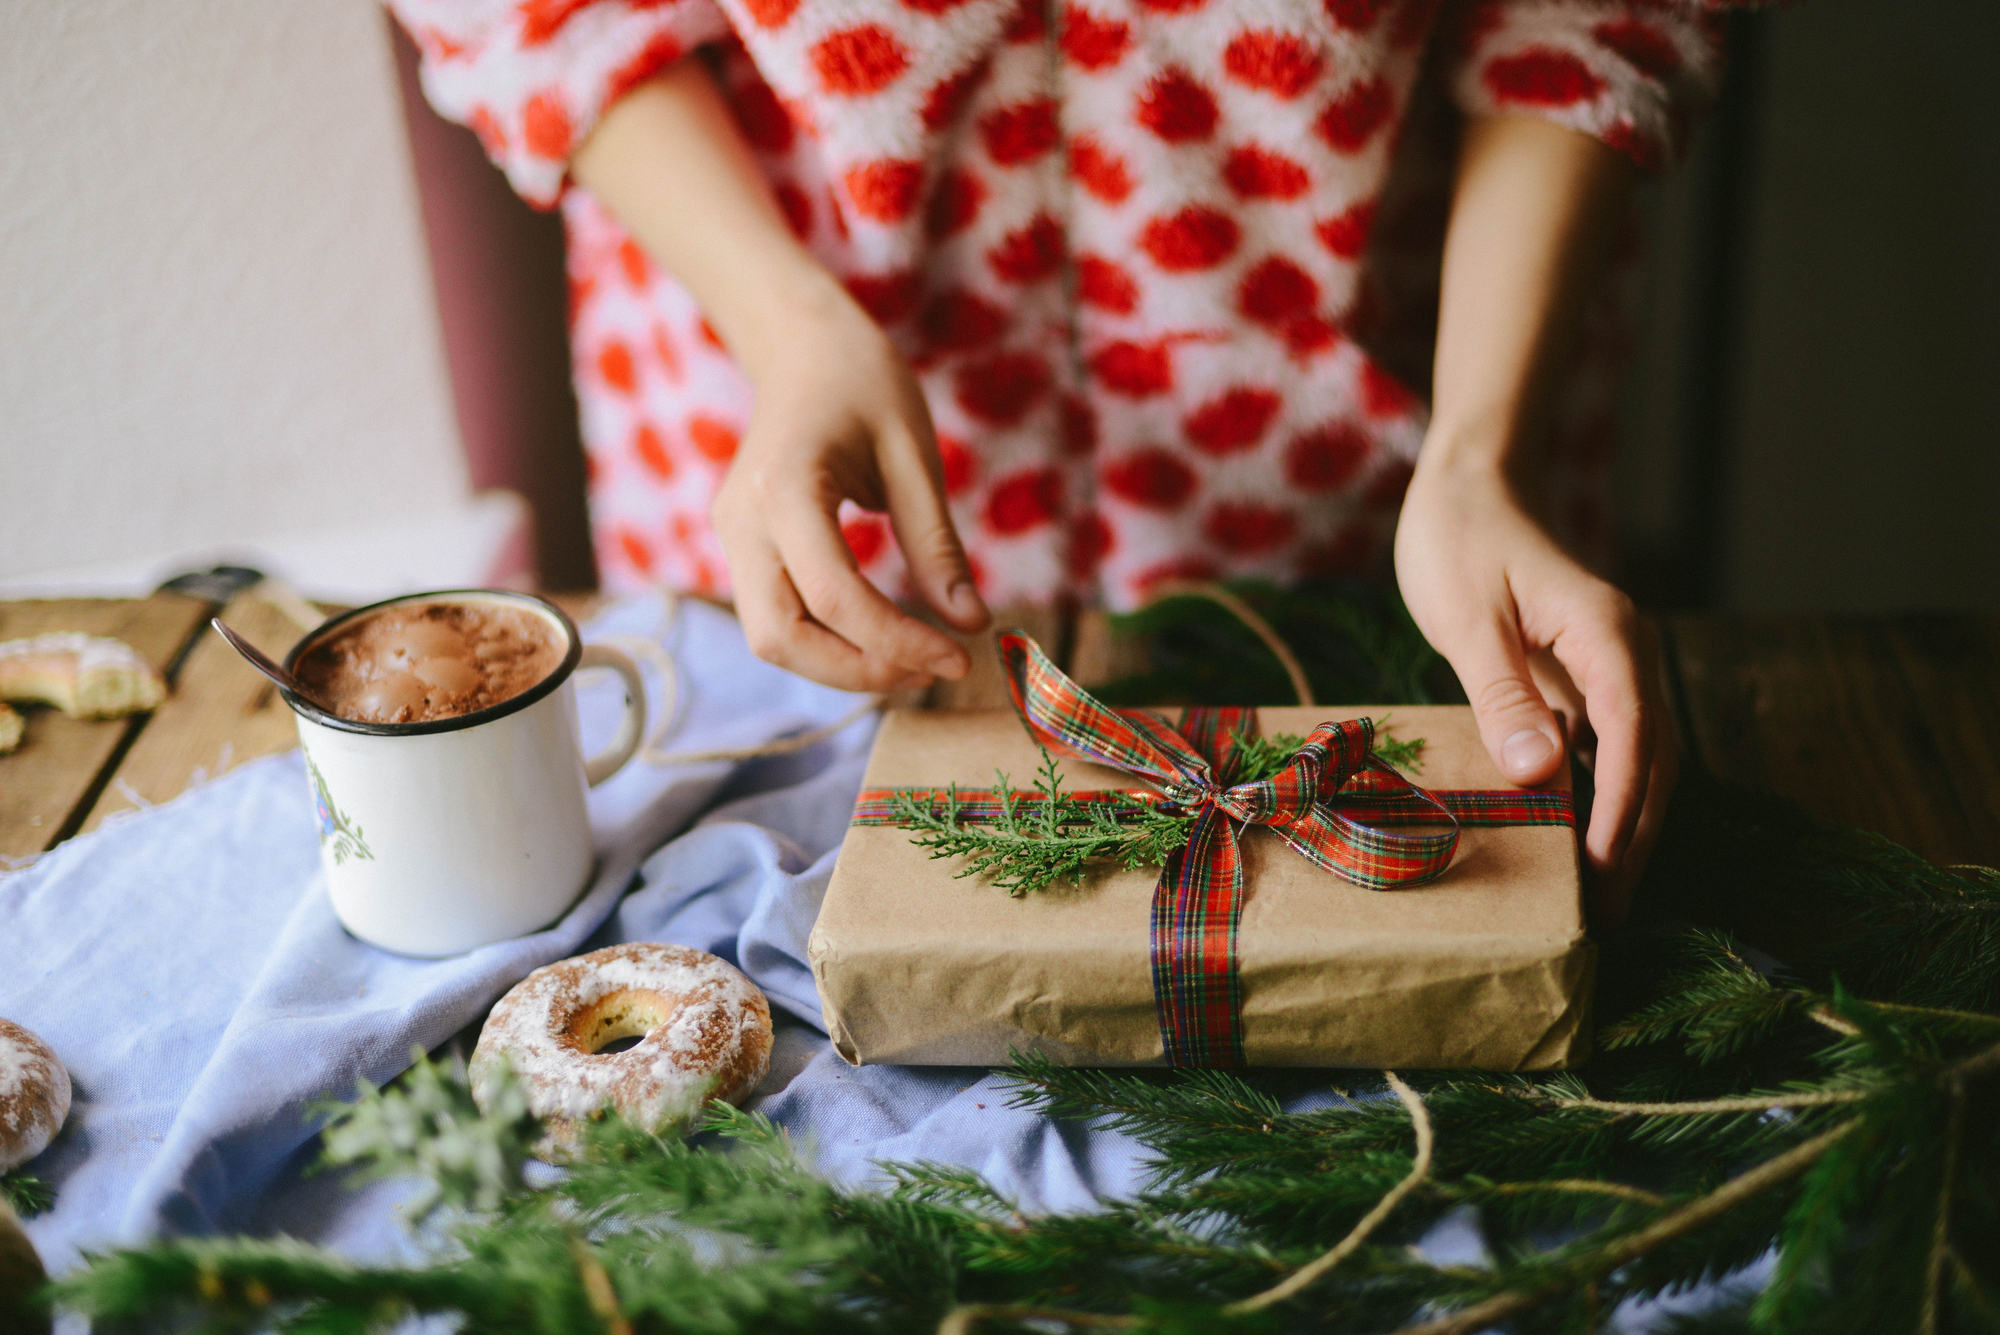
x,y
668,1236
1940,1248
1306,1275
1902,929
1256,758
429,1127
1600,1260
1583,1186
962,1320
1957,1018
1717,1003
1144,1106
1358,646
27,1194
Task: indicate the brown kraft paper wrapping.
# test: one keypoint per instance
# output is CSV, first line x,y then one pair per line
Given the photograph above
x,y
1485,967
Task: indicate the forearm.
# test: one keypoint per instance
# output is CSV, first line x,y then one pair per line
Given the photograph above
x,y
838,417
669,163
1529,631
1535,209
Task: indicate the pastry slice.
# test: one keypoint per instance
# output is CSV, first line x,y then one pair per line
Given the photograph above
x,y
85,676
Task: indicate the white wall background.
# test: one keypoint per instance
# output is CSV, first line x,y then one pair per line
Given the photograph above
x,y
216,314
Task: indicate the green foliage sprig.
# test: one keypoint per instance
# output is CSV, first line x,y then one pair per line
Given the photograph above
x,y
425,1129
1261,757
28,1194
1358,646
1034,845
1861,1143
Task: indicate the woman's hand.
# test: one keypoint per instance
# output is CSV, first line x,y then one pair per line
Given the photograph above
x,y
1530,632
838,415
1536,638
839,418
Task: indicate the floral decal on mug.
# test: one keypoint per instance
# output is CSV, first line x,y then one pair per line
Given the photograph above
x,y
335,830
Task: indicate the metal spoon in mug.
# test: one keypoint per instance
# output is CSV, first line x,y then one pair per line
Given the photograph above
x,y
262,662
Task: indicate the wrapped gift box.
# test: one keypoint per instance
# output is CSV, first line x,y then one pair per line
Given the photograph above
x,y
1486,966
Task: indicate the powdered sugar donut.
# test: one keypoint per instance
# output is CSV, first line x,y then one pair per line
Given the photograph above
x,y
34,1095
704,1033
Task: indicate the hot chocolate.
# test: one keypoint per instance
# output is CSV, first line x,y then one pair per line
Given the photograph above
x,y
416,662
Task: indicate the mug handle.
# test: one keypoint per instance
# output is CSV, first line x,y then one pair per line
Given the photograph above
x,y
609,761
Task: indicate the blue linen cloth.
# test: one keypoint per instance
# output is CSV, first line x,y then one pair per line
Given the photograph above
x,y
185,965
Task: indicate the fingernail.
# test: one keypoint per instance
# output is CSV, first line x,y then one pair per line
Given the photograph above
x,y
1526,751
945,666
964,598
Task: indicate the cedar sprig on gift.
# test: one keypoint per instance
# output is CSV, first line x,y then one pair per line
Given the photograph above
x,y
1052,837
1037,842
1261,757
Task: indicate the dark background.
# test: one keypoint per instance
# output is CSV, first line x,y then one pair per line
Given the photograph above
x,y
1812,418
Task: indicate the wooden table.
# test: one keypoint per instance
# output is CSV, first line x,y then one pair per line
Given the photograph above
x,y
69,776
1890,723
1887,723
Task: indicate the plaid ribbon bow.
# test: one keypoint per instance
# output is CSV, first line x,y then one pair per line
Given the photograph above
x,y
1196,982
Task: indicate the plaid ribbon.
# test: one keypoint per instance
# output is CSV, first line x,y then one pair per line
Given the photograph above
x,y
1474,808
1197,985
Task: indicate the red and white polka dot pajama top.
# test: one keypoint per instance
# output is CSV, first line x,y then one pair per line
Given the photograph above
x,y
1131,247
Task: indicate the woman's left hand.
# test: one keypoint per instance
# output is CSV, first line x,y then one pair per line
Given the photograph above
x,y
1534,638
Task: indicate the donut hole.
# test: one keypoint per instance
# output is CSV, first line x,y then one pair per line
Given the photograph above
x,y
619,1020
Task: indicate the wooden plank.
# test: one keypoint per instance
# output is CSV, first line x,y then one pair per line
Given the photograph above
x,y
47,785
1867,721
223,713
1952,664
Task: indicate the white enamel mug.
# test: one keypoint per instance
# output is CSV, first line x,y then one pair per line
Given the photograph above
x,y
444,836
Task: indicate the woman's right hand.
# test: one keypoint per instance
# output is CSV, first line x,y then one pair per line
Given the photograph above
x,y
839,417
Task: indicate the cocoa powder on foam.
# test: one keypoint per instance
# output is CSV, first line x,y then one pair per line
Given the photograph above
x,y
417,662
